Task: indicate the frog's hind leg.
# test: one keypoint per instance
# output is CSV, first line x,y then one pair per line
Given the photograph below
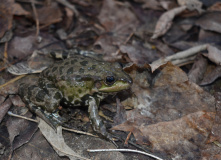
x,y
44,101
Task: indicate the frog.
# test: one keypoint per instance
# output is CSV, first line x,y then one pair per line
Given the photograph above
x,y
76,81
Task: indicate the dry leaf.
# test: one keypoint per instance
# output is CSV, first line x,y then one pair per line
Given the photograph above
x,y
4,107
18,10
198,69
6,16
215,7
212,76
173,115
210,21
49,14
214,54
191,4
165,21
57,141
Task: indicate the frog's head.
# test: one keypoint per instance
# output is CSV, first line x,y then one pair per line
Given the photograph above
x,y
114,79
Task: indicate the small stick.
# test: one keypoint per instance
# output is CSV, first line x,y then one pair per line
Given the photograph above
x,y
33,120
81,132
69,5
127,139
5,52
36,17
180,57
12,81
18,116
124,150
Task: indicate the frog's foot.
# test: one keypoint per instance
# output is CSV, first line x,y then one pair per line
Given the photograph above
x,y
110,138
53,119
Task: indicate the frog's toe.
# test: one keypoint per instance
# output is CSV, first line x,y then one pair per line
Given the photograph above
x,y
111,139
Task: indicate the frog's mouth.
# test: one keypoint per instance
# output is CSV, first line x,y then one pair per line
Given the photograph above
x,y
116,87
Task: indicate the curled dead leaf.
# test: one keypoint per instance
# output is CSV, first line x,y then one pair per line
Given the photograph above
x,y
165,21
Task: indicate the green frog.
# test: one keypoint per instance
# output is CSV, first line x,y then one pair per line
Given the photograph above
x,y
76,81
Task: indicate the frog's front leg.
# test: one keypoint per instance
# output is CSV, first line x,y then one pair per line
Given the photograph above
x,y
97,123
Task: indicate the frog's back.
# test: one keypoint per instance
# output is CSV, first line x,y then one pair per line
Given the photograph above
x,y
74,68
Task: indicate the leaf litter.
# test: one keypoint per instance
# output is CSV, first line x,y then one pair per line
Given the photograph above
x,y
166,110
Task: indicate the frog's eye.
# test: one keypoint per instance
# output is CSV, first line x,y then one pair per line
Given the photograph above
x,y
110,80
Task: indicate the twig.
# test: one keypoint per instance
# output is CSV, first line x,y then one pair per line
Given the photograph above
x,y
5,52
127,139
28,1
124,150
187,53
18,116
180,57
69,5
36,17
81,132
33,120
12,81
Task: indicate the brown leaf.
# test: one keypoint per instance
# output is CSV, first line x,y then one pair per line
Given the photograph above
x,y
6,16
16,101
210,21
18,10
4,108
5,146
198,69
37,148
212,76
152,4
118,20
57,141
49,14
174,115
215,7
20,130
22,46
211,152
165,21
170,75
139,54
190,131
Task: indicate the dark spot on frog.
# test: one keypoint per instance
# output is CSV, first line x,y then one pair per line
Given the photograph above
x,y
54,69
81,70
66,63
64,54
31,88
70,70
79,90
73,61
53,54
70,98
76,102
61,70
40,96
57,95
92,67
84,63
50,86
47,72
62,88
78,78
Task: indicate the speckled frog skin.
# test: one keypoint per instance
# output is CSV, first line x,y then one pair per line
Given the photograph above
x,y
78,81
